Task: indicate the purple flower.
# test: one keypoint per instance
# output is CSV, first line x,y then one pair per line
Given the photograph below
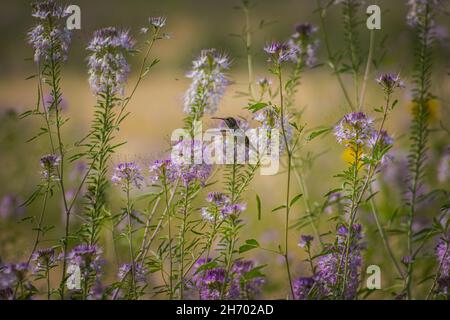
x,y
233,209
50,104
303,46
270,118
382,141
87,258
329,264
418,11
157,22
49,164
209,81
127,174
354,129
140,272
50,40
44,260
302,288
304,30
47,9
161,170
390,81
279,52
208,282
305,241
407,260
11,207
108,68
218,198
241,287
208,215
188,162
443,257
97,291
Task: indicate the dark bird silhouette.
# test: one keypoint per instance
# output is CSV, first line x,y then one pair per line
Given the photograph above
x,y
230,122
233,124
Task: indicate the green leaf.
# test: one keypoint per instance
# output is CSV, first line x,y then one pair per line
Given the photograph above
x,y
207,266
258,206
317,133
279,208
295,199
257,106
249,245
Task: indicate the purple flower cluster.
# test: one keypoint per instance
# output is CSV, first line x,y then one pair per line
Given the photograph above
x,y
49,164
354,129
240,286
270,118
303,46
127,174
210,282
382,141
221,208
209,81
10,275
140,275
158,22
49,39
443,257
302,288
419,10
233,210
44,260
47,9
330,264
108,67
305,241
218,198
11,207
170,172
390,82
279,52
87,258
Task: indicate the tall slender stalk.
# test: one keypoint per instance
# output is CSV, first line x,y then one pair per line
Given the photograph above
x,y
130,242
169,234
419,130
41,219
288,183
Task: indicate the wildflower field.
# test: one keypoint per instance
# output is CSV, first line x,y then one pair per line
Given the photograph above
x,y
225,150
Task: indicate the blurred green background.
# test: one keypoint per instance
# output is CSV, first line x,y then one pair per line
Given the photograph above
x,y
157,106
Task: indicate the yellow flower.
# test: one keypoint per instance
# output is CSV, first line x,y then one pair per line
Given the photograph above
x,y
348,155
433,106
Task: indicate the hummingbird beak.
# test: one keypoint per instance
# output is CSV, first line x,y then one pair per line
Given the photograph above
x,y
217,118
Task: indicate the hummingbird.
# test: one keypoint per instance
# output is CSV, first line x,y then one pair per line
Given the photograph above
x,y
230,122
233,124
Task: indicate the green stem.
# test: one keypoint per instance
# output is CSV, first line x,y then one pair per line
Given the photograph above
x,y
169,230
288,187
367,71
130,244
183,232
41,219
